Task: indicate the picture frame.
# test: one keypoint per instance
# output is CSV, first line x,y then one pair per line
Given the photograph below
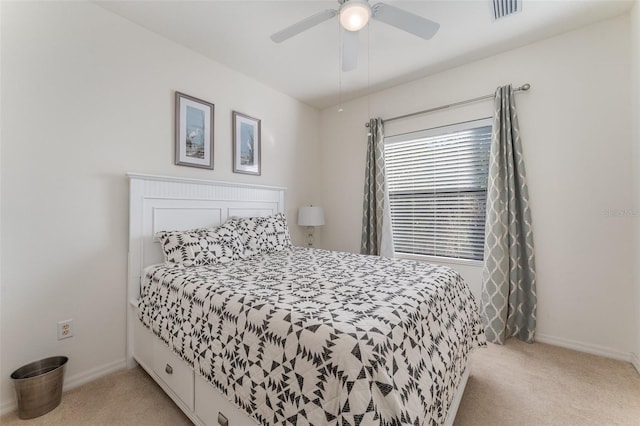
x,y
194,131
247,154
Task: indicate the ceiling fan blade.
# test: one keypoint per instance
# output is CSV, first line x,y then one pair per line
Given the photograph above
x,y
406,21
349,50
303,25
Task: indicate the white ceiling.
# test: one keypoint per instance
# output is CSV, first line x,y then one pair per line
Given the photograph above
x,y
306,67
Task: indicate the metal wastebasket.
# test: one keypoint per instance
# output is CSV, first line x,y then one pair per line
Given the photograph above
x,y
38,386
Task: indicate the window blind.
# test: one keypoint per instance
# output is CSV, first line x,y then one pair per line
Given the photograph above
x,y
437,182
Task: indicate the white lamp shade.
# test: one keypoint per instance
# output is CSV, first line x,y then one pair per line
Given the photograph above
x,y
354,14
310,216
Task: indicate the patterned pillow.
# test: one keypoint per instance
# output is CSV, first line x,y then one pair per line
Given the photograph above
x,y
262,234
205,246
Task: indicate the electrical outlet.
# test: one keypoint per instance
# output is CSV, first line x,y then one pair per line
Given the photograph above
x,y
65,329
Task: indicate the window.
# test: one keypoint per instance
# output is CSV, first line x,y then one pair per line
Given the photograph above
x,y
437,181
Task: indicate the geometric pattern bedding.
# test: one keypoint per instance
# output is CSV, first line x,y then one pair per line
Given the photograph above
x,y
261,234
312,337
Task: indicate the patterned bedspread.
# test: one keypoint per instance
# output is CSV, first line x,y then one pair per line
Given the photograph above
x,y
313,337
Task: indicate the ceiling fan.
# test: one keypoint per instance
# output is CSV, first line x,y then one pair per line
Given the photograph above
x,y
354,15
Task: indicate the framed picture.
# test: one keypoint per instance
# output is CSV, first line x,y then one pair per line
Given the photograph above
x,y
194,132
246,144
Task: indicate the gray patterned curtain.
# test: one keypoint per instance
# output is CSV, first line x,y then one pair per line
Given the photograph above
x,y
508,278
374,190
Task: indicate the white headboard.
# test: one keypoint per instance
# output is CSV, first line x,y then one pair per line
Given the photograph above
x,y
160,203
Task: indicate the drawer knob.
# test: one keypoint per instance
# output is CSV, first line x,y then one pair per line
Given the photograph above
x,y
222,420
168,369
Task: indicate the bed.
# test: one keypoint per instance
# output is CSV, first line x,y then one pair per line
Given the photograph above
x,y
293,336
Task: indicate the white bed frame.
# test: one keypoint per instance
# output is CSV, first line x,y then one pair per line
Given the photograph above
x,y
167,203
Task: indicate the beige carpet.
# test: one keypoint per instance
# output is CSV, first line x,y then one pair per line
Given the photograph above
x,y
515,384
537,384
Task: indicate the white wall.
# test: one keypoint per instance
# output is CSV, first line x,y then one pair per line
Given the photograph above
x,y
635,114
576,133
86,97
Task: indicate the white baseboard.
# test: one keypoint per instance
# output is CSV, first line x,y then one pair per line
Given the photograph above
x,y
8,406
74,381
635,360
93,374
584,347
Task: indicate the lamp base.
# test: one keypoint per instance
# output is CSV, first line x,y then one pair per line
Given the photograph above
x,y
310,236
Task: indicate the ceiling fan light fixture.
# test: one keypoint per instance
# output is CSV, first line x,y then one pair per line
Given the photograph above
x,y
355,14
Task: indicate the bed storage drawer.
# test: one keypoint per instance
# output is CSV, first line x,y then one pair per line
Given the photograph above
x,y
143,348
211,404
174,372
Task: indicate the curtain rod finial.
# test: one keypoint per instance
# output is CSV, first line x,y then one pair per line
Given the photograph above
x,y
526,87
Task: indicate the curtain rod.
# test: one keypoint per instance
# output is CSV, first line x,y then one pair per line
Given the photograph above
x,y
522,88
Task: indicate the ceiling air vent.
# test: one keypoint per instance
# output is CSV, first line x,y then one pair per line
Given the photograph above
x,y
502,8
